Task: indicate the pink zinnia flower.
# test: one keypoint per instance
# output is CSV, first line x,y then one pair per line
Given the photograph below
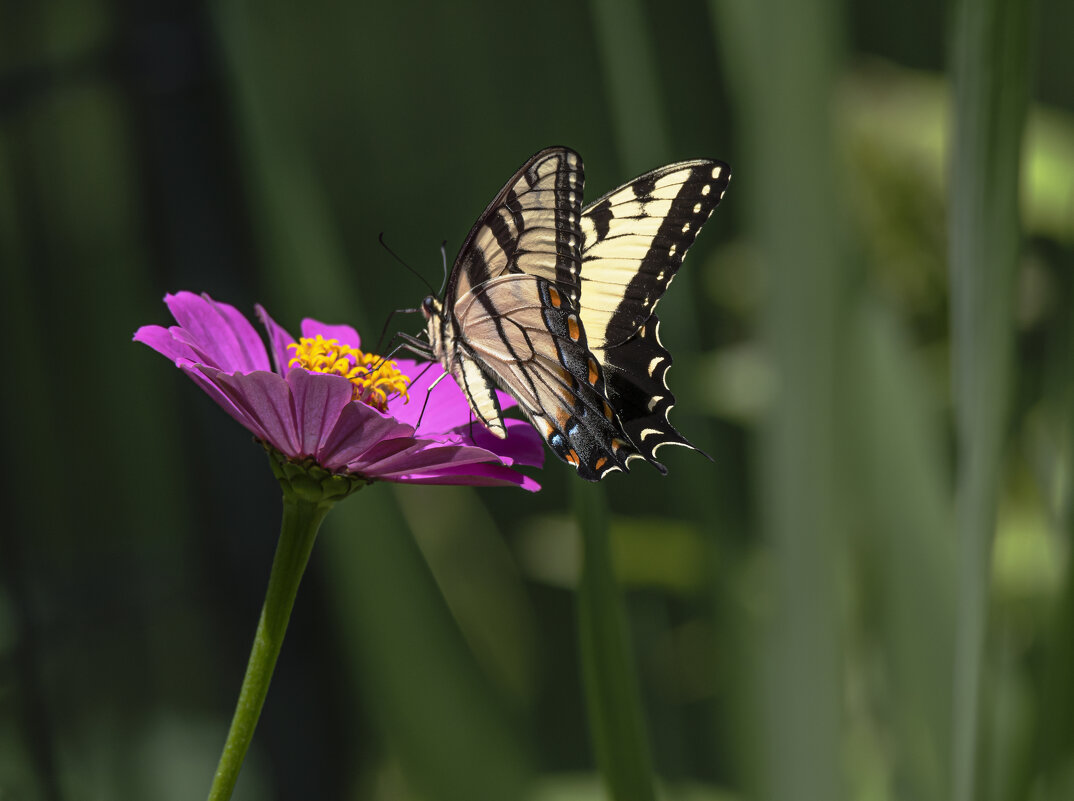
x,y
323,401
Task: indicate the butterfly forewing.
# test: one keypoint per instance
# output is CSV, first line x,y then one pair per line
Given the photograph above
x,y
532,226
635,240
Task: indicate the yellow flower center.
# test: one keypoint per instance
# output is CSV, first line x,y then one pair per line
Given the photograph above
x,y
375,379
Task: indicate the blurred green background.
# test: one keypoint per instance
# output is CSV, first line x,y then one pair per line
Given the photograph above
x,y
793,603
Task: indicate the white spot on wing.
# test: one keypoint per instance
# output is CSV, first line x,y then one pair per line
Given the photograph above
x,y
686,228
654,364
715,172
697,208
648,432
655,399
660,445
705,190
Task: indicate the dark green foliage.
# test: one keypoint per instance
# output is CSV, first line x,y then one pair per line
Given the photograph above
x,y
794,605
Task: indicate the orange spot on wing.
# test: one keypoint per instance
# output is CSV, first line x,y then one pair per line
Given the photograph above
x,y
572,457
608,411
553,297
547,429
593,374
603,460
572,328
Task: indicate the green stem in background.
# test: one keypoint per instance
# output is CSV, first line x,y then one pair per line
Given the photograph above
x,y
611,686
301,520
990,76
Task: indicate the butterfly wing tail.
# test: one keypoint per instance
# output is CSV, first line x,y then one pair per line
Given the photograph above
x,y
635,373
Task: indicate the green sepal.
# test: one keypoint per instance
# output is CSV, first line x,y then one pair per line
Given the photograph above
x,y
308,481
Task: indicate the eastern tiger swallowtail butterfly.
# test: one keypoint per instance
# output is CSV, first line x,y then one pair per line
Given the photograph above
x,y
554,302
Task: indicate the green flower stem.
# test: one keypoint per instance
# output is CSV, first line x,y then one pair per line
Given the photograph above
x,y
613,698
301,520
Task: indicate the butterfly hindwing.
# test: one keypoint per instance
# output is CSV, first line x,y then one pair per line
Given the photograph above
x,y
636,379
526,334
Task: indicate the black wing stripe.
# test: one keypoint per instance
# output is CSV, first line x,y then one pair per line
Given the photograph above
x,y
569,185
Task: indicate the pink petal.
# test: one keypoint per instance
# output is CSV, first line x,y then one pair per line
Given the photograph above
x,y
279,339
204,377
264,399
429,459
523,444
318,402
344,333
359,429
163,341
446,407
218,332
477,475
383,450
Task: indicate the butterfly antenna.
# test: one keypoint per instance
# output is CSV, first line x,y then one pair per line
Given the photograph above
x,y
443,258
398,259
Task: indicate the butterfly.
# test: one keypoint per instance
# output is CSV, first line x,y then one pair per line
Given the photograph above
x,y
553,303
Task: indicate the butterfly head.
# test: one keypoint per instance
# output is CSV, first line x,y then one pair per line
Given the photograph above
x,y
431,307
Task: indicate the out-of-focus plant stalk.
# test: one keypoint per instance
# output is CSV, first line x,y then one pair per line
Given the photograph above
x,y
781,61
990,74
613,699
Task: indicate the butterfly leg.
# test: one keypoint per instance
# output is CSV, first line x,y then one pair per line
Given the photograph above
x,y
418,347
428,392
